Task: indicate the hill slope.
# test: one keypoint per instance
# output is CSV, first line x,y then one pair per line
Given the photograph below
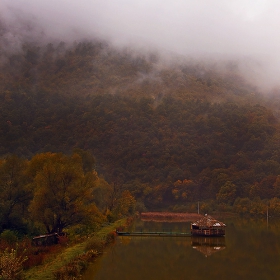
x,y
167,130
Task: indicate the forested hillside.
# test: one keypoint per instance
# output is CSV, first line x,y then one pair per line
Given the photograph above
x,y
170,130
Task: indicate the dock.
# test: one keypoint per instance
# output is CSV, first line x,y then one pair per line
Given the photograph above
x,y
154,233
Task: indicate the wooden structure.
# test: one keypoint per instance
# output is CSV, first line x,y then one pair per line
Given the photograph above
x,y
154,233
45,240
208,226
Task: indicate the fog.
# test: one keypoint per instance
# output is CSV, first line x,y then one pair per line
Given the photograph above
x,y
244,30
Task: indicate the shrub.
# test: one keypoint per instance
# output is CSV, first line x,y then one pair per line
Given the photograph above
x,y
74,269
95,243
10,237
11,265
111,236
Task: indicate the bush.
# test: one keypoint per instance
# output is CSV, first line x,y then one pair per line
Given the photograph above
x,y
95,243
110,237
180,208
8,236
140,207
74,269
11,265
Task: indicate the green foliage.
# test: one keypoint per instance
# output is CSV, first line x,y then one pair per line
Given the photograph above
x,y
140,207
8,236
95,243
227,193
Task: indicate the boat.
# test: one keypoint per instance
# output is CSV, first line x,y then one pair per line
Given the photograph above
x,y
208,226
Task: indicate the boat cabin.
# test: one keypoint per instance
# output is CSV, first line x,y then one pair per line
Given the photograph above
x,y
208,226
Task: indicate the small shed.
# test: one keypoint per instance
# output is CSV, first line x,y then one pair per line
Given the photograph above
x,y
208,226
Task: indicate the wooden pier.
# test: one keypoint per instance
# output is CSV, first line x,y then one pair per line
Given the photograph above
x,y
154,233
207,226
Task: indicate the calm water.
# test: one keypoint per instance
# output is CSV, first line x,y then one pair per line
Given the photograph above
x,y
250,250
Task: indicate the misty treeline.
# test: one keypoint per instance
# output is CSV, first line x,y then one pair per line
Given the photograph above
x,y
169,132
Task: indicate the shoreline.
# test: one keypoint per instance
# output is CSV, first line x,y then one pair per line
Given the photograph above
x,y
75,258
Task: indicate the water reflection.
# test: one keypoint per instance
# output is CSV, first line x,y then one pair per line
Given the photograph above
x,y
250,250
208,245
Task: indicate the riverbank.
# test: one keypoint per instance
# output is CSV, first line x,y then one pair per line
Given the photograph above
x,y
72,261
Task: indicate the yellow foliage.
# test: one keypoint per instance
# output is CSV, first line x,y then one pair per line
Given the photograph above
x,y
10,264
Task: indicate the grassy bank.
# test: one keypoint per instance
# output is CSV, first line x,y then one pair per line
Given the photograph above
x,y
73,260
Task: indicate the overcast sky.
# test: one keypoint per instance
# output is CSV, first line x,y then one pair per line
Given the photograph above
x,y
220,27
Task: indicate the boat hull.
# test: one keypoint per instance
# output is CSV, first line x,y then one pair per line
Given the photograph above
x,y
208,232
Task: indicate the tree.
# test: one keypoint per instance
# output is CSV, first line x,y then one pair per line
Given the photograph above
x,y
102,195
242,205
227,193
125,205
184,190
14,196
87,159
274,206
276,187
63,192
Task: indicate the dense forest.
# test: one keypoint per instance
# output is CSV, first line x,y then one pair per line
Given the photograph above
x,y
168,130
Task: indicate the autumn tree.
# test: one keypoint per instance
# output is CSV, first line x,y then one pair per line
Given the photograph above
x,y
276,186
184,190
14,196
227,193
102,195
63,192
242,205
124,206
274,206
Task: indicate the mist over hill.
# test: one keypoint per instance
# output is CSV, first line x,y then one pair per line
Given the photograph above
x,y
171,129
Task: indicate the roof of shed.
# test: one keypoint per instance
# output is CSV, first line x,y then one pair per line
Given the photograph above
x,y
209,222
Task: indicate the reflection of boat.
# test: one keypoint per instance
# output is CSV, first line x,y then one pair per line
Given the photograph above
x,y
208,245
208,226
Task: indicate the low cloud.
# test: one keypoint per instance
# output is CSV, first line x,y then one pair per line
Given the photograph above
x,y
243,29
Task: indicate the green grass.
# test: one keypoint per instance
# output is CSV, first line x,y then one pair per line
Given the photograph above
x,y
47,269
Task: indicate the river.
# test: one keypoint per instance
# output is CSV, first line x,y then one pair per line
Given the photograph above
x,y
250,250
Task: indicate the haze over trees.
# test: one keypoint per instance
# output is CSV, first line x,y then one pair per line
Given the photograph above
x,y
166,132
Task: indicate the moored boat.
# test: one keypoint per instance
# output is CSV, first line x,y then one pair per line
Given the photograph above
x,y
208,226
